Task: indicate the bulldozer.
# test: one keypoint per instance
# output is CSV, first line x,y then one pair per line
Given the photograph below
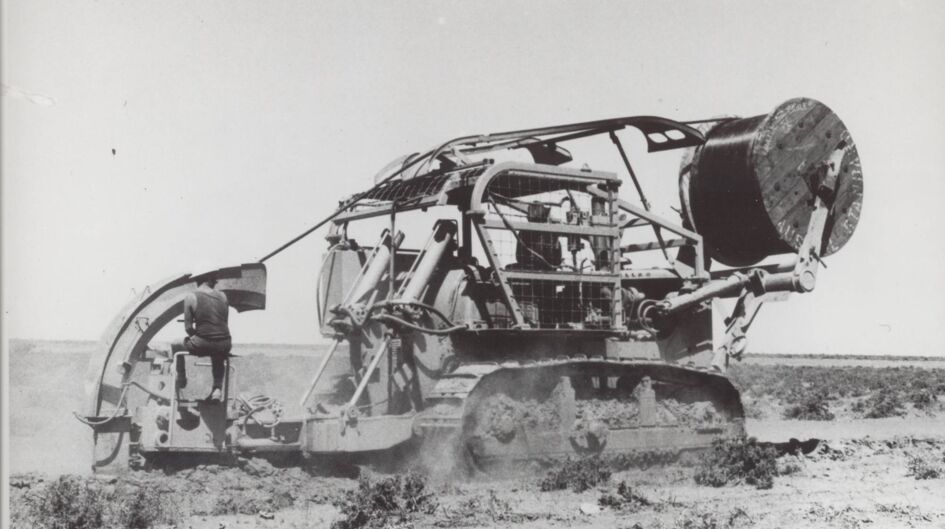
x,y
542,315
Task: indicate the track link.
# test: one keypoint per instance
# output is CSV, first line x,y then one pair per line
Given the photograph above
x,y
498,415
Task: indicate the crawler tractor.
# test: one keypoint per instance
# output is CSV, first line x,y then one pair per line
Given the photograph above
x,y
544,316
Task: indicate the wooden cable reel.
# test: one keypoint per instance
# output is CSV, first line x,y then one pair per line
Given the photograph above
x,y
750,188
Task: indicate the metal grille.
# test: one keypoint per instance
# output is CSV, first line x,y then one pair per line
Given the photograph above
x,y
431,184
549,304
515,185
520,197
541,232
524,250
514,203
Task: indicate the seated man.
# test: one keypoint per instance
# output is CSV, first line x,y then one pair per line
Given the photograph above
x,y
206,313
537,250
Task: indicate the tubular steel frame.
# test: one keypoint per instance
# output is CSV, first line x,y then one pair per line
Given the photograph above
x,y
596,184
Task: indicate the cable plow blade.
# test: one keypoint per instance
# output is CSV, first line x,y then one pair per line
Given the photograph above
x,y
116,367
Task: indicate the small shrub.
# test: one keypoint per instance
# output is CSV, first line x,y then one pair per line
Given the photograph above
x,y
480,510
578,475
141,508
710,520
813,407
923,398
753,409
921,468
389,501
702,520
624,500
789,465
884,403
790,383
251,501
734,461
69,503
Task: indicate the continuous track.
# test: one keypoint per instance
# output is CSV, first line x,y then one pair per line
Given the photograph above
x,y
496,415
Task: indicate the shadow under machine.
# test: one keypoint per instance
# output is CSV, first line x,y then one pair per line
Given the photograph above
x,y
538,315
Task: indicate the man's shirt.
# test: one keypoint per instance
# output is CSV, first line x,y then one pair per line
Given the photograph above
x,y
206,314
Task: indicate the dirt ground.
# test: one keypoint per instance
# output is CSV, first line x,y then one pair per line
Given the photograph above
x,y
847,484
861,475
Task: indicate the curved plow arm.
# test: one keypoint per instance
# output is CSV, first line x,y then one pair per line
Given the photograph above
x,y
127,337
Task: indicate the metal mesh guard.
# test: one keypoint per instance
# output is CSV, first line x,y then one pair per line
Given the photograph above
x,y
420,187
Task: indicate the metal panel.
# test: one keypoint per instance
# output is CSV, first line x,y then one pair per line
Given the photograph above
x,y
333,435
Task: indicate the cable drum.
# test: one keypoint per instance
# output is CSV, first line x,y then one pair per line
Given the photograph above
x,y
749,189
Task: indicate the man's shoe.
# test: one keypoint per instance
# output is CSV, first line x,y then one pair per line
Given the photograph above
x,y
215,395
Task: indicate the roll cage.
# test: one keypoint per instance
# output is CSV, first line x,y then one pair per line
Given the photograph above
x,y
501,203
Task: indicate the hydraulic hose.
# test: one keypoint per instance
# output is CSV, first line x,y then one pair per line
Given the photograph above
x,y
420,304
249,406
404,323
121,400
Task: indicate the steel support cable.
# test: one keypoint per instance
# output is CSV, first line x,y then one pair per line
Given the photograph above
x,y
636,183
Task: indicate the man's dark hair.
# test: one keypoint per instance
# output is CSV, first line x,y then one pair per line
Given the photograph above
x,y
209,278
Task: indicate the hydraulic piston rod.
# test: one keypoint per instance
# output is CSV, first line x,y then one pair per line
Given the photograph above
x,y
412,290
368,281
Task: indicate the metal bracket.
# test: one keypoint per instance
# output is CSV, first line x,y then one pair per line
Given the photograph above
x,y
802,279
808,256
142,323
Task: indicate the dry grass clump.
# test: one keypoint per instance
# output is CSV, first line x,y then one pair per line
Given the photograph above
x,y
482,510
625,499
576,474
925,468
879,391
381,503
68,503
71,502
812,407
736,461
923,397
883,403
737,517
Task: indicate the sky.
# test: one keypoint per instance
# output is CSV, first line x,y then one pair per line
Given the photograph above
x,y
147,139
